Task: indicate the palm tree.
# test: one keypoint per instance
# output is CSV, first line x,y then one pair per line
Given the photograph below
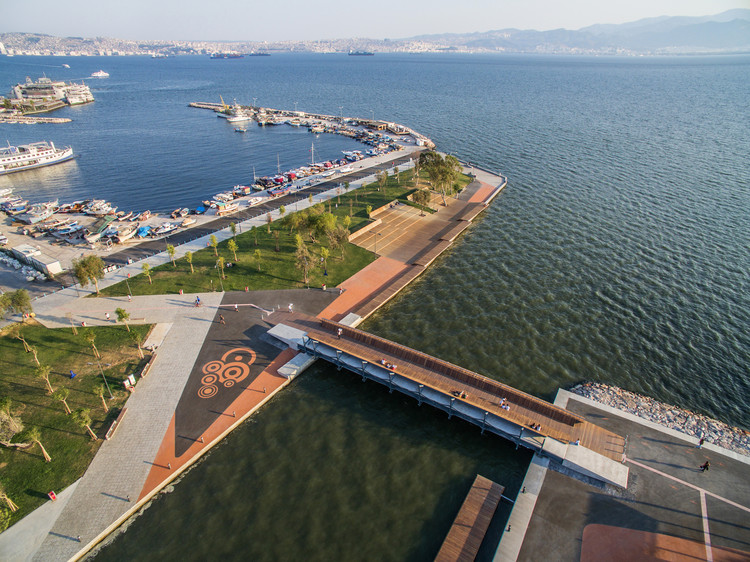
x,y
99,391
34,435
42,372
89,268
189,259
232,245
61,395
9,502
147,270
214,244
123,316
91,338
82,418
171,252
138,339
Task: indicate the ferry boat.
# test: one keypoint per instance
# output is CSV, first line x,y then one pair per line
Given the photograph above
x,y
34,155
100,74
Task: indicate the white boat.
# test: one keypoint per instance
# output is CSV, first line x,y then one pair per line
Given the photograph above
x,y
165,228
6,191
126,233
225,196
100,74
34,155
188,221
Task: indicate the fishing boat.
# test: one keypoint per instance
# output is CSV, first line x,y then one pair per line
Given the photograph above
x,y
121,216
223,208
165,228
144,216
126,234
33,155
188,221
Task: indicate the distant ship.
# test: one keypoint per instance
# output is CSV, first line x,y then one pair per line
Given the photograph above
x,y
361,54
100,74
34,155
259,54
69,93
227,55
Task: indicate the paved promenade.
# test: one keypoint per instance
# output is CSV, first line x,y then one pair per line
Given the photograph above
x,y
207,378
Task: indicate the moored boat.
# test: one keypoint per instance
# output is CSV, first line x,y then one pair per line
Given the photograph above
x,y
33,155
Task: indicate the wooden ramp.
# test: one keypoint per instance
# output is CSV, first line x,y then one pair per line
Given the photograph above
x,y
471,523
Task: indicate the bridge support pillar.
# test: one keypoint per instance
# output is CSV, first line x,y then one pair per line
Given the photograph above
x,y
421,386
450,411
484,422
364,376
338,359
390,382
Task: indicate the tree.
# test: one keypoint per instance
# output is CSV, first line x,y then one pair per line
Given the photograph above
x,y
303,261
9,502
220,266
269,220
61,395
82,418
91,338
18,302
10,425
42,372
382,177
189,259
421,197
34,351
138,340
5,515
395,173
232,245
282,210
123,316
346,186
324,253
34,435
89,269
339,238
233,230
276,238
347,222
99,391
171,252
326,224
214,244
254,232
368,210
310,198
257,257
147,271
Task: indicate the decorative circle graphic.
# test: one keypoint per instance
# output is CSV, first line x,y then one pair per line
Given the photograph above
x,y
219,372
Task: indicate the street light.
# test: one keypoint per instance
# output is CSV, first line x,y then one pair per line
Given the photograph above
x,y
105,378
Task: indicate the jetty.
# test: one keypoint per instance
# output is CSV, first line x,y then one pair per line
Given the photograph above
x,y
30,119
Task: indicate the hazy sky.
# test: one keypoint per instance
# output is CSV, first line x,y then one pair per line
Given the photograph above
x,y
256,20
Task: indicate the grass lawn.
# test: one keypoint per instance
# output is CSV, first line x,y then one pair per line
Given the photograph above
x,y
24,474
277,268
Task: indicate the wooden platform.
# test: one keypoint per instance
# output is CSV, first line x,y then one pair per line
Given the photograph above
x,y
490,395
468,529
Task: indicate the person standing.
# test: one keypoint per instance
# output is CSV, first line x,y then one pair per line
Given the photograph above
x,y
705,466
701,442
221,319
106,315
339,332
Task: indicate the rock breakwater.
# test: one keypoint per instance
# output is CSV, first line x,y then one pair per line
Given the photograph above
x,y
692,424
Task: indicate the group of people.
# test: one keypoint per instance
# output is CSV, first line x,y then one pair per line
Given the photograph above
x,y
460,394
387,365
535,426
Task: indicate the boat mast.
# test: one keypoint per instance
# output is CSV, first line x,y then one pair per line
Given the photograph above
x,y
312,152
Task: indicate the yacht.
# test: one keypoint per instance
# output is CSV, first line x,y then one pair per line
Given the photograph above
x,y
100,74
34,155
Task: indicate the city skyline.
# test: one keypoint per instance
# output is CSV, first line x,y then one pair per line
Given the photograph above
x,y
330,19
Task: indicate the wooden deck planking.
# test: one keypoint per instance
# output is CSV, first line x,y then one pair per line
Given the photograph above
x,y
467,532
591,436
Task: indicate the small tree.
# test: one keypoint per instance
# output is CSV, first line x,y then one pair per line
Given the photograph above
x,y
89,269
303,261
34,435
123,316
91,338
324,253
346,186
138,340
269,220
9,502
368,210
147,271
171,251
10,425
82,418
189,259
34,351
99,391
233,229
42,372
276,238
214,244
347,222
61,395
257,257
282,210
232,245
254,232
382,178
18,302
395,173
220,266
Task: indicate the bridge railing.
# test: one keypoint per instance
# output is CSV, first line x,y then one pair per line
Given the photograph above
x,y
459,374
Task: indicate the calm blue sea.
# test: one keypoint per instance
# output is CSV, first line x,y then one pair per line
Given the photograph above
x,y
618,253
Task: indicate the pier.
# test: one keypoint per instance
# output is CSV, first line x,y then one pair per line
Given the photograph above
x,y
524,419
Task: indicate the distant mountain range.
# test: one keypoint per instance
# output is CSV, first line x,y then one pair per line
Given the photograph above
x,y
728,32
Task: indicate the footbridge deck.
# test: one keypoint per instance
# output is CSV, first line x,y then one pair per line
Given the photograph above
x,y
491,404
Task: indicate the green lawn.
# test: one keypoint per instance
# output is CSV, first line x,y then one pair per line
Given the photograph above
x,y
24,474
277,268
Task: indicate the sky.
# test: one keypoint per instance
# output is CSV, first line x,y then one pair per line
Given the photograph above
x,y
275,20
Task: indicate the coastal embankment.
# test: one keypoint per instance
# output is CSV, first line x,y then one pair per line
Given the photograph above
x,y
695,425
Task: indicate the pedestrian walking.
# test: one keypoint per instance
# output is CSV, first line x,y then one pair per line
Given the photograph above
x,y
236,309
705,466
291,307
701,442
130,298
339,332
264,390
221,319
106,315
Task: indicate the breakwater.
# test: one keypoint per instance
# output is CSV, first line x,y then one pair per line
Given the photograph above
x,y
695,425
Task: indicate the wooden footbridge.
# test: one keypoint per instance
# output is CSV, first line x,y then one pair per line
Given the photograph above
x,y
494,406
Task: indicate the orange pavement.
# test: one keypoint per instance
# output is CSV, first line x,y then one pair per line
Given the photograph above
x,y
250,400
482,194
363,284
